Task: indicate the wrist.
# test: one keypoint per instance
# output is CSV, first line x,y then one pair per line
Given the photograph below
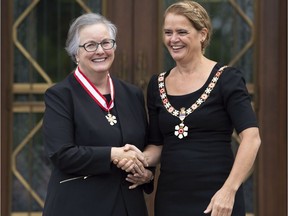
x,y
114,153
231,187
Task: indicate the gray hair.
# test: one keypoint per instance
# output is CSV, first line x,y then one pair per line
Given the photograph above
x,y
73,40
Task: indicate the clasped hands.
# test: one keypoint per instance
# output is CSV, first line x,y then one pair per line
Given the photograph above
x,y
133,161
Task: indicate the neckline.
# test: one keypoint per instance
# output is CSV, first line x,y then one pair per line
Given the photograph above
x,y
183,111
94,93
208,80
181,130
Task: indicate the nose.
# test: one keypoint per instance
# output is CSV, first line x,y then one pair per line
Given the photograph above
x,y
174,37
99,49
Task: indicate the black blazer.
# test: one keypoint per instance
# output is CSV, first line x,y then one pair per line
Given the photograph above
x,y
78,140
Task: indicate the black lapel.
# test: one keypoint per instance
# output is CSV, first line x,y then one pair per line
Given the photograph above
x,y
122,103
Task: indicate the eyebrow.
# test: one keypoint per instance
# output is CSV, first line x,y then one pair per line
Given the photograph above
x,y
93,41
182,29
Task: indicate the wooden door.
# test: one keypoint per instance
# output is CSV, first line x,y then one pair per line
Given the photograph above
x,y
137,54
138,45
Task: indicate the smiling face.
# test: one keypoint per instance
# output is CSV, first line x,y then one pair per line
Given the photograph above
x,y
182,40
100,60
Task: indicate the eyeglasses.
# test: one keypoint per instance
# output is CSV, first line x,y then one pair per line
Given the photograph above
x,y
92,46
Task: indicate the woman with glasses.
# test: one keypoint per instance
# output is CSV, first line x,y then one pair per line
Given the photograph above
x,y
89,117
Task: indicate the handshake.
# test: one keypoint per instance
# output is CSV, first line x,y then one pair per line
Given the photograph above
x,y
130,159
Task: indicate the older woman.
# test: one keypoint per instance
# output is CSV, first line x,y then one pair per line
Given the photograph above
x,y
89,117
193,109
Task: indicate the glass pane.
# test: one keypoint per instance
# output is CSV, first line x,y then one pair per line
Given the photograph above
x,y
31,163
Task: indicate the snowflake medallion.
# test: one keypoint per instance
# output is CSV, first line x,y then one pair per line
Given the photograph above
x,y
181,131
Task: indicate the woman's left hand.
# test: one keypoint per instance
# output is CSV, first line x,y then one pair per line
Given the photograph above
x,y
138,179
221,203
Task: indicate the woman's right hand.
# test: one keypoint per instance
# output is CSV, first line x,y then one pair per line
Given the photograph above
x,y
129,158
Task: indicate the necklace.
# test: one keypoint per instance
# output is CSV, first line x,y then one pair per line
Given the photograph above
x,y
181,130
96,95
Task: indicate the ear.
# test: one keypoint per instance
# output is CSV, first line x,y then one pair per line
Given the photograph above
x,y
203,32
76,57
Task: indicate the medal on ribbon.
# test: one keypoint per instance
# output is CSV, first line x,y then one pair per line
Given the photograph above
x,y
96,95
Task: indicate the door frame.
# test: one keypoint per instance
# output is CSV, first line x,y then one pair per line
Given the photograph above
x,y
271,60
271,99
6,105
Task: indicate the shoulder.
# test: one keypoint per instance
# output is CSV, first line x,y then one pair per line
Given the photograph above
x,y
153,83
231,77
232,82
154,79
152,88
65,83
232,73
63,88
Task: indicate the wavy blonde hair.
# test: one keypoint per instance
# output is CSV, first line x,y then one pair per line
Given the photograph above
x,y
196,14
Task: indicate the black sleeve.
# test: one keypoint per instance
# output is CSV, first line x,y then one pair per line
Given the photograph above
x,y
58,132
154,134
237,100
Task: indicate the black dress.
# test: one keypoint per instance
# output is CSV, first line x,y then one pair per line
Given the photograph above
x,y
195,167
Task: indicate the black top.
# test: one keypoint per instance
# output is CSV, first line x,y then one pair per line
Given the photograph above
x,y
195,167
78,140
